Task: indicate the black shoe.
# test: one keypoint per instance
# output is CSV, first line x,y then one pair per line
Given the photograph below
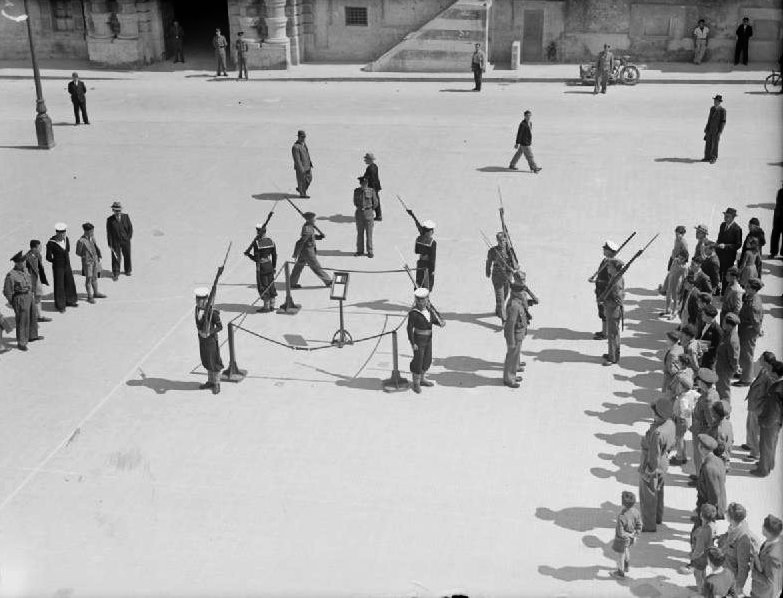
x,y
114,277
328,284
599,336
693,477
537,170
378,219
692,483
263,310
370,255
216,389
72,304
37,338
22,347
358,254
62,311
205,385
758,473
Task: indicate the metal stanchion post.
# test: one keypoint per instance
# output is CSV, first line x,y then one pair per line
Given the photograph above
x,y
232,373
396,382
288,306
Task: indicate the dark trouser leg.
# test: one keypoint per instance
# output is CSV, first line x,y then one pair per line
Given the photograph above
x,y
477,78
368,228
648,501
613,331
70,288
296,272
696,454
23,312
378,211
115,259
315,266
125,246
517,156
723,385
768,444
531,161
83,108
747,338
422,357
752,432
360,225
303,180
424,276
774,242
511,363
58,275
659,501
501,294
76,113
737,52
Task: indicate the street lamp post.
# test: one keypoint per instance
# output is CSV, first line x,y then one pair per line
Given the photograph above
x,y
43,124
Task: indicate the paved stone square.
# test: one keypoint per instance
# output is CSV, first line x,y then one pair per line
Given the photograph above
x,y
119,477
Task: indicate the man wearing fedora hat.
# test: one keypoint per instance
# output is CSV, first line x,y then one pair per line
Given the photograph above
x,y
88,250
18,290
657,443
119,232
373,182
365,200
716,121
58,250
729,241
303,166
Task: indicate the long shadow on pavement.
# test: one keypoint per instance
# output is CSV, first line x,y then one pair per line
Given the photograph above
x,y
162,385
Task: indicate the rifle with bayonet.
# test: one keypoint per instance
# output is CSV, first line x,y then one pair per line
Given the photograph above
x,y
263,227
624,269
435,312
411,214
508,266
603,265
210,305
301,213
504,228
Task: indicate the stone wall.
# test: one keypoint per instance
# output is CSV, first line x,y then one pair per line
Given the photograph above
x,y
125,32
54,37
507,20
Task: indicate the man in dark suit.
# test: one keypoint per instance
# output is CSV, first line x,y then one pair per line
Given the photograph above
x,y
770,420
744,33
728,243
373,182
716,121
78,91
710,335
777,225
178,36
119,232
58,250
523,143
303,166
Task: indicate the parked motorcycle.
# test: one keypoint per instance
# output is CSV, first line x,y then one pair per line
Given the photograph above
x,y
623,72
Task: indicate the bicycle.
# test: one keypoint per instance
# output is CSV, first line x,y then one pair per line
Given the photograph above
x,y
772,84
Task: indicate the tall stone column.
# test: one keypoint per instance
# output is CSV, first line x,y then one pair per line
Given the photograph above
x,y
276,50
129,19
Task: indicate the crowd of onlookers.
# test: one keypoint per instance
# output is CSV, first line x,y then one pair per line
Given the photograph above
x,y
714,292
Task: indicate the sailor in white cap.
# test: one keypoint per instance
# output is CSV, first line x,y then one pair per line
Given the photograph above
x,y
208,325
264,253
601,279
58,249
420,320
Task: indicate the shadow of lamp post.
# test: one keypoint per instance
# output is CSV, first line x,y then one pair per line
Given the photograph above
x,y
43,124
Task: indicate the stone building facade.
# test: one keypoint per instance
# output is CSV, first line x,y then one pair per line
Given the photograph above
x,y
393,34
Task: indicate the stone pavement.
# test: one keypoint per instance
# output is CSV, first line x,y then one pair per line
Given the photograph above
x,y
119,476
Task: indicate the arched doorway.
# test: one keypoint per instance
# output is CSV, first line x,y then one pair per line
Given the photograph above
x,y
199,19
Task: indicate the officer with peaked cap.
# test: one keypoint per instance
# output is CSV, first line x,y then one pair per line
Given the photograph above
x,y
703,416
58,250
18,290
208,326
420,320
305,253
613,298
515,328
711,482
264,253
601,280
657,443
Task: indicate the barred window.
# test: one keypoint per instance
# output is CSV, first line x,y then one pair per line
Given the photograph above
x,y
62,12
356,16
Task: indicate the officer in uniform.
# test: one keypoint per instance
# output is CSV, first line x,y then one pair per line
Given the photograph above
x,y
420,320
305,253
220,43
241,48
366,202
500,269
657,443
208,346
601,280
264,253
603,68
613,309
18,290
425,247
515,328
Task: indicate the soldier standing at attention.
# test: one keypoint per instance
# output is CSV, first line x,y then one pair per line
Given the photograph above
x,y
751,317
601,280
515,329
18,290
727,357
420,320
241,48
426,248
208,346
37,276
220,43
716,121
58,250
264,253
500,270
603,68
305,253
87,249
657,443
613,309
478,64
303,166
366,201
371,174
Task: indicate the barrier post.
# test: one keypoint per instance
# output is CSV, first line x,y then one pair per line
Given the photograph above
x,y
396,382
232,373
288,306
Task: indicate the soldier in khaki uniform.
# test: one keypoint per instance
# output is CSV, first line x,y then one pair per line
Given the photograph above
x,y
37,276
87,249
613,309
305,253
601,279
499,268
517,319
208,345
603,68
657,443
366,202
18,290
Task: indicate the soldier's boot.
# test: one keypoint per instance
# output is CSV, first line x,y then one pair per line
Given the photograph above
x,y
216,387
271,305
425,382
415,385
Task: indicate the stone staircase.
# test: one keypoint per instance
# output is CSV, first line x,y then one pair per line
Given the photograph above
x,y
444,44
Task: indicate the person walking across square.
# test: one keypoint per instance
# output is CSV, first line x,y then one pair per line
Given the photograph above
x,y
523,143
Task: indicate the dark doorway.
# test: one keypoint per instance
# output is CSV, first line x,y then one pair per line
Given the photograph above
x,y
199,19
533,36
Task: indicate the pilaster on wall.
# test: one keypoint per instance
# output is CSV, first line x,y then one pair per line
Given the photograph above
x,y
300,25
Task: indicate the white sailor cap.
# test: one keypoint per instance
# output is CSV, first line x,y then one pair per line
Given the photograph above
x,y
421,293
201,292
260,225
610,245
429,224
60,226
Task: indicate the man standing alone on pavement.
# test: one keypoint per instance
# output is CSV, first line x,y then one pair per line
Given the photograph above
x,y
744,33
478,63
371,174
241,48
18,290
78,92
219,43
178,35
87,249
37,273
700,36
603,68
365,201
523,143
119,232
303,166
58,250
716,121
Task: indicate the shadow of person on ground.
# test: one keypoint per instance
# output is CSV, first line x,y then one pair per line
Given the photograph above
x,y
630,440
242,308
502,169
582,519
334,253
162,385
21,147
463,90
380,305
679,160
365,383
275,196
563,356
559,334
475,319
337,219
622,413
761,206
461,372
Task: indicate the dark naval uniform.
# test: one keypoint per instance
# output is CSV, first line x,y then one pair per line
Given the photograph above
x,y
264,253
208,347
305,254
425,265
420,323
18,290
62,274
499,268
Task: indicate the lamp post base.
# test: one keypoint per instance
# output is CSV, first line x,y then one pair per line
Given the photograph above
x,y
44,132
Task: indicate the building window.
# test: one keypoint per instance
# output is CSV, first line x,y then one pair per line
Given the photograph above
x,y
62,12
356,16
